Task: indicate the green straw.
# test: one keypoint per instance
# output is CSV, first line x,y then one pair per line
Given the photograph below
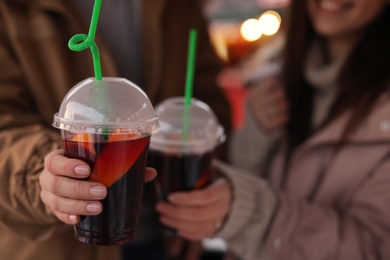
x,y
189,81
80,42
190,66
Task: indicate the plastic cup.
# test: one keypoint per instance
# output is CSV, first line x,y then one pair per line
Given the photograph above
x,y
181,150
108,124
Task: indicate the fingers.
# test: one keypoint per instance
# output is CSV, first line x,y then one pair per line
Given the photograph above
x,y
64,193
67,195
71,206
57,164
206,196
273,116
197,236
268,104
197,214
191,230
71,188
193,227
150,174
67,218
200,213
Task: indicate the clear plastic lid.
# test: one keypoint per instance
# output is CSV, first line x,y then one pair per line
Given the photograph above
x,y
105,106
196,130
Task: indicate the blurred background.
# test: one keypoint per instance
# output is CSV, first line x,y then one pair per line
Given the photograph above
x,y
247,36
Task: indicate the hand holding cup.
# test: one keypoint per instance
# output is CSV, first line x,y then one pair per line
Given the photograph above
x,y
65,191
107,124
197,214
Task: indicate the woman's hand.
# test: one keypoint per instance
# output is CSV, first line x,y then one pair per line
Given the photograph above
x,y
268,104
64,191
197,214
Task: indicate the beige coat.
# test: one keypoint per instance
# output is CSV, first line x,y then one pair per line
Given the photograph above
x,y
37,69
332,206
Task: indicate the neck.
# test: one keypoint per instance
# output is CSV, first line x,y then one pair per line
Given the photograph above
x,y
339,46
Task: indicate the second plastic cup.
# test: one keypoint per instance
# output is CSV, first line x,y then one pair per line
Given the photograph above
x,y
108,124
181,150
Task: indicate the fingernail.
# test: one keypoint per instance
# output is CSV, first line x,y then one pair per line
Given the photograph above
x,y
98,191
81,170
73,219
94,207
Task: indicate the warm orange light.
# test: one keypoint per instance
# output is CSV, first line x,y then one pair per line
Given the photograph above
x,y
270,22
222,35
220,46
251,30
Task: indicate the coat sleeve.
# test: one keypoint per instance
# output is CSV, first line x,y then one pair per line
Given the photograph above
x,y
268,224
252,210
360,230
24,141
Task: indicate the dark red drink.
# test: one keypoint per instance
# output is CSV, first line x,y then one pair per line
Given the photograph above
x,y
180,172
117,161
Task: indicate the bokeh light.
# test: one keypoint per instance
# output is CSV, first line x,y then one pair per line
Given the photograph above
x,y
251,30
269,22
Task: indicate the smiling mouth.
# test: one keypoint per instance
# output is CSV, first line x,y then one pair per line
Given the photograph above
x,y
331,6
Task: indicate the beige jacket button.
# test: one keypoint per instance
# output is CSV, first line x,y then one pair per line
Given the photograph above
x,y
384,125
277,243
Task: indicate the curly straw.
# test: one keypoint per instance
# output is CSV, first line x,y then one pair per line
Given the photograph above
x,y
80,42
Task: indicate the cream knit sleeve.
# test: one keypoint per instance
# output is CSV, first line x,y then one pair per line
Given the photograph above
x,y
252,209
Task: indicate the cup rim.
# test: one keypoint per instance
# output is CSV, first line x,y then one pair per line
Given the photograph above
x,y
128,127
157,143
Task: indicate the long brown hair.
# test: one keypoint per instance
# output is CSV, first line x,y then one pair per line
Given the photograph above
x,y
364,77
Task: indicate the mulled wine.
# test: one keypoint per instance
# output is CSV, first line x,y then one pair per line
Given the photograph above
x,y
117,161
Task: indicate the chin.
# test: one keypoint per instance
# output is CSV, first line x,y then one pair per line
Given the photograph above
x,y
329,31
